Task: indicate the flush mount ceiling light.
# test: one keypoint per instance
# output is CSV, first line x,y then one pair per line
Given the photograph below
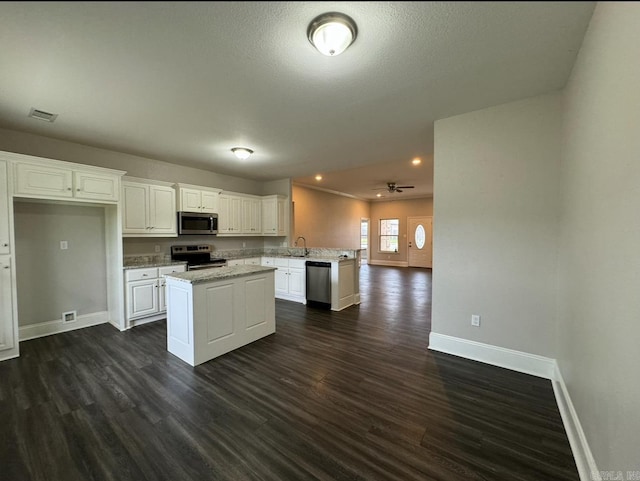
x,y
241,152
332,33
318,177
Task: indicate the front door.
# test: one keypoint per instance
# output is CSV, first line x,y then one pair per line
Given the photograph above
x,y
420,241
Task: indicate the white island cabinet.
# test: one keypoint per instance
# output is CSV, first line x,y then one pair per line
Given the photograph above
x,y
213,311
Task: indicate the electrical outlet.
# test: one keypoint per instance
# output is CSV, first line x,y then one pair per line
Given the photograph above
x,y
157,248
64,245
244,244
475,320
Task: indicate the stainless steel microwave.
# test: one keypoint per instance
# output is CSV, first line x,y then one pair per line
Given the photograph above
x,y
199,223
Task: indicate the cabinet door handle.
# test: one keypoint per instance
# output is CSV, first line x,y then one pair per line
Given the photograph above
x,y
5,245
78,190
144,275
68,188
6,267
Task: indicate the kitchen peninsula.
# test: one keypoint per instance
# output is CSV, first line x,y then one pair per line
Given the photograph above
x,y
214,311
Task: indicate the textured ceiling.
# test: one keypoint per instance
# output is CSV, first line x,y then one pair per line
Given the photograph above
x,y
184,82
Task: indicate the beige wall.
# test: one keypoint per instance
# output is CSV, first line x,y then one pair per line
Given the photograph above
x,y
327,220
397,209
52,281
495,224
599,268
135,166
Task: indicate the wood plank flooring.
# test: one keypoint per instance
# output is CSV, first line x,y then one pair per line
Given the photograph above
x,y
353,395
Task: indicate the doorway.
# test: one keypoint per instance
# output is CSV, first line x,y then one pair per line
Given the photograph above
x,y
420,235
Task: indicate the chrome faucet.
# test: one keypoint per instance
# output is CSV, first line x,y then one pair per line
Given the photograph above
x,y
306,251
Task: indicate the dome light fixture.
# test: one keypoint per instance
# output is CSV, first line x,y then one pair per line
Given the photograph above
x,y
332,33
242,152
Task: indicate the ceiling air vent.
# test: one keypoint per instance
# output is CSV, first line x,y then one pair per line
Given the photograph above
x,y
42,115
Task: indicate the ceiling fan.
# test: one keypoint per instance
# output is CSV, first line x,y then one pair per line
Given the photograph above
x,y
392,187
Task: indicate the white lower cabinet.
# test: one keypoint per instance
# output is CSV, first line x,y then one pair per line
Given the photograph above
x,y
290,280
7,334
249,261
145,293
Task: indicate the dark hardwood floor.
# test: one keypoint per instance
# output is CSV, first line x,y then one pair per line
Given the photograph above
x,y
351,395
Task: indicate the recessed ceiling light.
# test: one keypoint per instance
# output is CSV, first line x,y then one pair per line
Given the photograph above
x,y
378,194
332,33
242,152
416,161
318,177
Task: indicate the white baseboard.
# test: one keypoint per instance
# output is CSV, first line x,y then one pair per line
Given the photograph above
x,y
389,263
55,327
585,462
497,356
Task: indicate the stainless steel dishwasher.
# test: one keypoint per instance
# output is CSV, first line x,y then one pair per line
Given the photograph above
x,y
318,283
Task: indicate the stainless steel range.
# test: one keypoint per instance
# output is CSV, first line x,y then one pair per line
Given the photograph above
x,y
196,257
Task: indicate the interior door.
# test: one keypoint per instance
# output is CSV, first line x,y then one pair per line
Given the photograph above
x,y
420,241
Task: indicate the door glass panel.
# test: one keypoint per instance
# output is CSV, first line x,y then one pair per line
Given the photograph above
x,y
420,236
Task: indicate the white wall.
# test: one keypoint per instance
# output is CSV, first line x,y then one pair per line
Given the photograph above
x,y
599,268
495,224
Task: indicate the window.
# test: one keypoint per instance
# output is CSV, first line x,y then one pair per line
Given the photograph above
x,y
389,229
364,234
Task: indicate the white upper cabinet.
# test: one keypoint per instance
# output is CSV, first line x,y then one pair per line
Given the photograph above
x,y
94,186
274,215
148,209
51,179
192,198
210,201
230,214
251,216
5,245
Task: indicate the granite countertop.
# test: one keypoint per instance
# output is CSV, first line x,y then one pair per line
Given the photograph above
x,y
138,264
317,258
218,273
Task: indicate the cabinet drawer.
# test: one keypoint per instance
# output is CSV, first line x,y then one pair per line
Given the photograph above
x,y
235,262
170,270
297,263
252,261
279,262
141,274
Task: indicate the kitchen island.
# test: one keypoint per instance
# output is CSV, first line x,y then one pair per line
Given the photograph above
x,y
213,311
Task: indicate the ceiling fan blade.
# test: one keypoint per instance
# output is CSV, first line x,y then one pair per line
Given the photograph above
x,y
405,187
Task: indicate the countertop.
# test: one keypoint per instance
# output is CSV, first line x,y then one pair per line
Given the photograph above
x,y
315,258
148,263
219,273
